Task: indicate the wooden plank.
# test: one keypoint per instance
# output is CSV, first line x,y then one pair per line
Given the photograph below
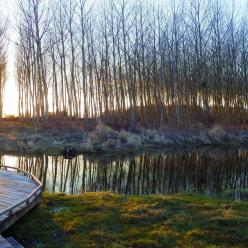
x,y
16,187
16,216
4,243
14,243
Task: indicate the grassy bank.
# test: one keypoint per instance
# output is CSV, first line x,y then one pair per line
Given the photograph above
x,y
110,220
105,140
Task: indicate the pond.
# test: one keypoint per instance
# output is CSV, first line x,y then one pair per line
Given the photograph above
x,y
206,171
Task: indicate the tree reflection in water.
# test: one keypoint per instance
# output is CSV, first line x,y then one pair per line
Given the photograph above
x,y
208,173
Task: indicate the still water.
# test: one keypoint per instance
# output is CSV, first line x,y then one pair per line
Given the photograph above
x,y
206,171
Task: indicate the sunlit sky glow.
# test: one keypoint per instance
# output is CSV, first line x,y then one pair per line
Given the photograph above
x,y
8,9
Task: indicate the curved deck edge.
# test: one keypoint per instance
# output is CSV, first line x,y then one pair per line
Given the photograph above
x,y
15,212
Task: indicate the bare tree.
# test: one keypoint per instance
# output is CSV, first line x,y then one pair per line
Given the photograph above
x,y
133,62
3,64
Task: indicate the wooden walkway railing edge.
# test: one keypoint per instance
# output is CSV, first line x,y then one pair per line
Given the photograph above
x,y
30,201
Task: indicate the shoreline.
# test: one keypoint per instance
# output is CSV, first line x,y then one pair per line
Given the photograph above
x,y
105,140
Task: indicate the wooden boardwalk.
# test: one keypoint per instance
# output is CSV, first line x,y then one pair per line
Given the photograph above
x,y
19,193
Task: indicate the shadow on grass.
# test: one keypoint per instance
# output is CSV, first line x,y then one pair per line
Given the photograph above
x,y
111,220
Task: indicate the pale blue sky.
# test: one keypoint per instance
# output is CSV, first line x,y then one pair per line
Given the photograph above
x,y
8,8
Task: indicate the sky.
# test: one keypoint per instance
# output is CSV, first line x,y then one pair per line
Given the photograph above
x,y
8,9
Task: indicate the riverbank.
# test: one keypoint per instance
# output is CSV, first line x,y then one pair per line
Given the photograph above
x,y
52,141
111,220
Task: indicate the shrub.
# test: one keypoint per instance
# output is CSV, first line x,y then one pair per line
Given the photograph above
x,y
151,133
134,139
218,135
123,136
102,134
158,139
109,144
217,131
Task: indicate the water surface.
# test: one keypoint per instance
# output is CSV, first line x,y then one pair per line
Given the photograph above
x,y
206,171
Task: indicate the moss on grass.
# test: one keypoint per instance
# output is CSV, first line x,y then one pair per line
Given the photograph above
x,y
111,220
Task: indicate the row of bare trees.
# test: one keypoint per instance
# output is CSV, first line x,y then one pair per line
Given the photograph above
x,y
130,61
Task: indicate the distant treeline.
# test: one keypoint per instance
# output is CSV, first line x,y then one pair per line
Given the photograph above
x,y
133,62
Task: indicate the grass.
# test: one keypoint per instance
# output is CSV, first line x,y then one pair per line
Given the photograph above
x,y
111,220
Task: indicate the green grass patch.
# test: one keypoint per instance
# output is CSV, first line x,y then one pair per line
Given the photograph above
x,y
111,220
